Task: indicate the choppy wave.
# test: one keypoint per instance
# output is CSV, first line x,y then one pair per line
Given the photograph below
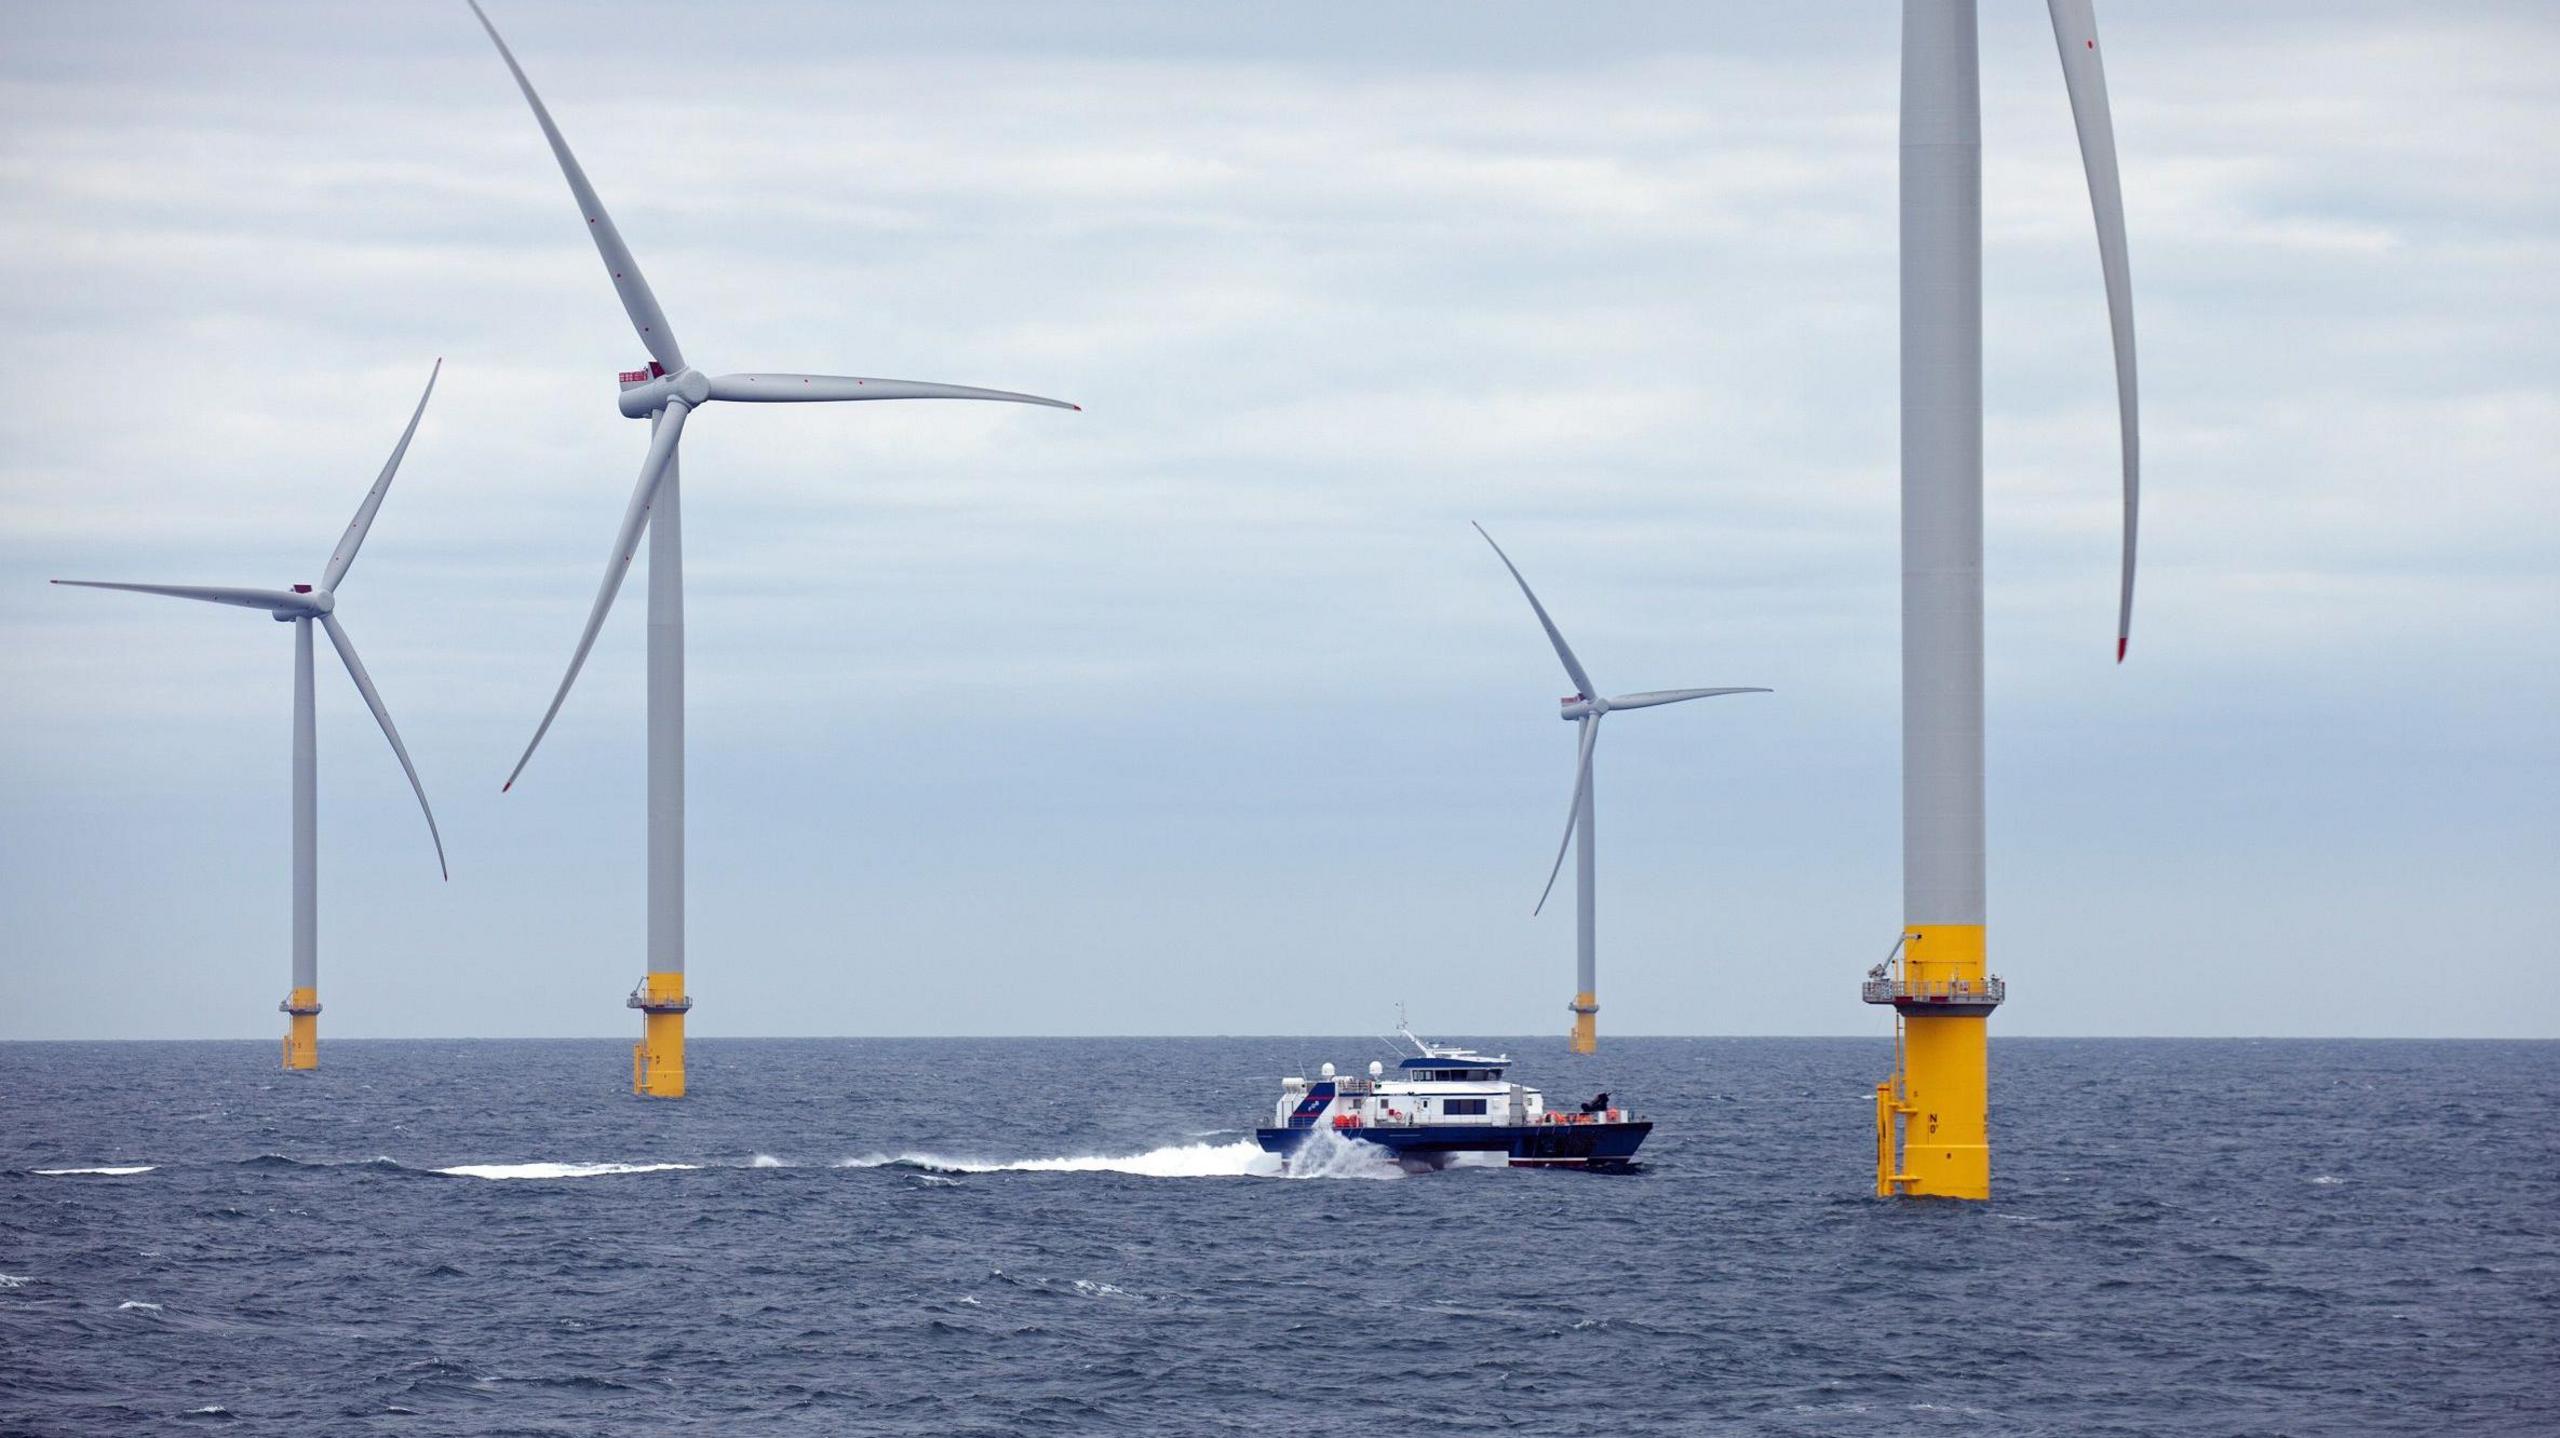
x,y
137,1304
1327,1156
277,1160
558,1170
1077,1287
124,1172
766,1160
14,1280
731,1297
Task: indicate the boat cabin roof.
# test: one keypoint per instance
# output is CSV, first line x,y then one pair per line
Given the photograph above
x,y
1452,1060
1438,1061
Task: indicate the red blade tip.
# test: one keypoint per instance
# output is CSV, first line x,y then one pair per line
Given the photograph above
x,y
2121,642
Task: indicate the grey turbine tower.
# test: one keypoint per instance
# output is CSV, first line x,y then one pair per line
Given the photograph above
x,y
664,393
1585,708
1931,1116
302,606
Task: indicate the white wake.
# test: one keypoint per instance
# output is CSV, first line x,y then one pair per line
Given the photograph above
x,y
126,1172
558,1170
1324,1156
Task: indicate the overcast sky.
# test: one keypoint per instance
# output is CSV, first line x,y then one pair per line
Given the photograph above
x,y
1203,710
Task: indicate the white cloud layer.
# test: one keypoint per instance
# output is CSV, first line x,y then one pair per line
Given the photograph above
x,y
1140,719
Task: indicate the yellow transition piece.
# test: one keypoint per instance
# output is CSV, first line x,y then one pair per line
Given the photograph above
x,y
657,1061
1586,1024
1941,1090
302,1030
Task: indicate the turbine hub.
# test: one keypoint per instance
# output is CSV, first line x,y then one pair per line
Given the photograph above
x,y
315,602
646,391
1580,706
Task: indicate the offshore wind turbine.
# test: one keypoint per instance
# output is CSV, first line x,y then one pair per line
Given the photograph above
x,y
1932,1132
664,393
1585,708
302,606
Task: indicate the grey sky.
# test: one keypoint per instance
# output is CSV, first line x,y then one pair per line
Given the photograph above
x,y
1203,711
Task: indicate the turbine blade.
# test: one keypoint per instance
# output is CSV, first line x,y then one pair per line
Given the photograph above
x,y
353,539
626,542
803,388
346,648
637,301
1572,666
2075,33
1572,811
271,600
1651,697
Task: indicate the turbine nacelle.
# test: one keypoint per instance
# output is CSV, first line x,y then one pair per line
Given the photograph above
x,y
1581,706
654,387
307,603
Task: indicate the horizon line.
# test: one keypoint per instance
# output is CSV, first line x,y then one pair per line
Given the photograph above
x,y
1093,1038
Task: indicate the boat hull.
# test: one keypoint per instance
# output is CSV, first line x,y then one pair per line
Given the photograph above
x,y
1534,1145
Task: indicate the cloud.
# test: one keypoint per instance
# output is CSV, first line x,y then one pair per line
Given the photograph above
x,y
1626,296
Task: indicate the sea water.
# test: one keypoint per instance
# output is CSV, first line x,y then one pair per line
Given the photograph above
x,y
1080,1236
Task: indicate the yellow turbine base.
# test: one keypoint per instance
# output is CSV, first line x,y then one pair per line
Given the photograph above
x,y
657,1061
1938,1102
302,1032
1586,1024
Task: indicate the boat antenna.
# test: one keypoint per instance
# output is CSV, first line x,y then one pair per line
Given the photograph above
x,y
1401,1028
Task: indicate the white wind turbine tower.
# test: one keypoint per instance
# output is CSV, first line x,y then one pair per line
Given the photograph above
x,y
302,606
1932,1116
664,393
1585,707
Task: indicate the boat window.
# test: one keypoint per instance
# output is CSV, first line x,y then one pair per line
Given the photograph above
x,y
1462,1105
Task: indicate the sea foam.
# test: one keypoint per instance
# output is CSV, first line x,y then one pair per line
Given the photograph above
x,y
557,1170
125,1172
1325,1156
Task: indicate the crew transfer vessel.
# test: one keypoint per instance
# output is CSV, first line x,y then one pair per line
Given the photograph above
x,y
1442,1102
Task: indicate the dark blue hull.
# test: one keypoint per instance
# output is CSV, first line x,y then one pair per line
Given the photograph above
x,y
1534,1145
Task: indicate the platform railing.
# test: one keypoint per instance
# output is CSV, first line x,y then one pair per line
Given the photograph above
x,y
1948,991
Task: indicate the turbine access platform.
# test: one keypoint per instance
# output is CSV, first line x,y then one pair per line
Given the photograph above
x,y
657,1061
1933,1115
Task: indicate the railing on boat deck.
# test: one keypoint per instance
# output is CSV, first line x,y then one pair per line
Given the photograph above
x,y
1549,1118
